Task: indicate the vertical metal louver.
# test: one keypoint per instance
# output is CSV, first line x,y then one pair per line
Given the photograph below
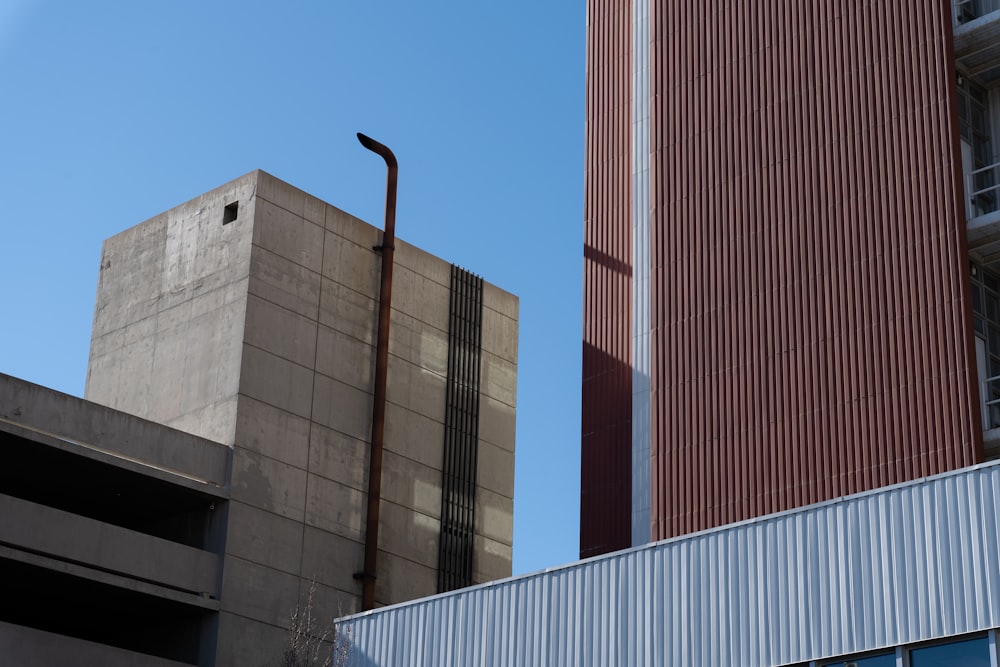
x,y
461,431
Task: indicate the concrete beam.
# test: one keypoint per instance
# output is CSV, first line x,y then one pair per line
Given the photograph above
x,y
65,536
21,646
86,423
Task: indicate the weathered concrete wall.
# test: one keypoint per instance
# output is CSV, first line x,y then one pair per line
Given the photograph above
x,y
78,421
168,322
498,403
278,363
301,441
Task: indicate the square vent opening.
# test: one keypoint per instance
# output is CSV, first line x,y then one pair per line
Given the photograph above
x,y
230,212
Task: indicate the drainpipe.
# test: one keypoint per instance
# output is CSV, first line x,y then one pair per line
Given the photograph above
x,y
381,364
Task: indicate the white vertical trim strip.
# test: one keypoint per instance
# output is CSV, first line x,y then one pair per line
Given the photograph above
x,y
641,417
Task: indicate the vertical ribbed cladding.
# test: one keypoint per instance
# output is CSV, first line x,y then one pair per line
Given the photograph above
x,y
606,438
461,431
808,284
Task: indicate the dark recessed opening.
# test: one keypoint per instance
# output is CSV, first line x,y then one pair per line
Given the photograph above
x,y
66,481
85,608
230,212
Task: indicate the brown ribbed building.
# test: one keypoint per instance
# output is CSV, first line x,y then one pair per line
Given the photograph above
x,y
791,224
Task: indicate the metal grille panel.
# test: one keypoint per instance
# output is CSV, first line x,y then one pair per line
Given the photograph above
x,y
461,431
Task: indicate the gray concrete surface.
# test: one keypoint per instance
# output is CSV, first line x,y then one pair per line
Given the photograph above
x,y
171,304
260,335
74,420
39,529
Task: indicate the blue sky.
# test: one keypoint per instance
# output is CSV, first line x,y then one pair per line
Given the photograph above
x,y
115,111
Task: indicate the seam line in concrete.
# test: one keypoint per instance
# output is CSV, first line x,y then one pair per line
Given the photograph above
x,y
320,308
312,402
346,384
300,217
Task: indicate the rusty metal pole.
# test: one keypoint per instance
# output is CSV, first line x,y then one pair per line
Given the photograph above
x,y
381,367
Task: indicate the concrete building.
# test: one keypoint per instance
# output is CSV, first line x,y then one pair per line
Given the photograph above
x,y
113,540
231,370
791,288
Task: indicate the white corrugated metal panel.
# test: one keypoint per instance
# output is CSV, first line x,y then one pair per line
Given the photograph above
x,y
893,566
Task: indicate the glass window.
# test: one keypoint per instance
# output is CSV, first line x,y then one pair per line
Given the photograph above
x,y
983,153
990,280
965,653
880,660
978,116
978,93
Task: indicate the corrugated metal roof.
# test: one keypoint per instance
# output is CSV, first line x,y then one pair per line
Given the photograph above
x,y
897,565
